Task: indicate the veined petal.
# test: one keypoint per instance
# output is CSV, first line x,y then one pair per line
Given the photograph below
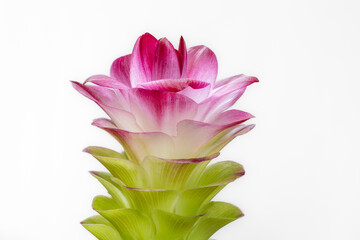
x,y
113,102
120,70
223,138
105,81
109,97
83,90
142,59
183,57
139,145
231,116
226,93
237,80
233,83
173,85
193,136
122,119
202,64
166,61
160,111
198,95
138,109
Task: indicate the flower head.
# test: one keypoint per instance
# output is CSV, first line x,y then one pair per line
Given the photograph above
x,y
159,94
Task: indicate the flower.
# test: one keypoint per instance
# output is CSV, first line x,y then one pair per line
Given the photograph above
x,y
166,102
172,118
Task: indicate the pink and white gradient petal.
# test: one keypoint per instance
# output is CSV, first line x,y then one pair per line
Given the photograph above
x,y
142,59
105,98
120,70
105,81
166,61
224,96
160,111
224,137
193,136
139,145
202,64
198,95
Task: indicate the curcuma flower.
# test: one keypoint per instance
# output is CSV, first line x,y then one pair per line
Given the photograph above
x,y
171,117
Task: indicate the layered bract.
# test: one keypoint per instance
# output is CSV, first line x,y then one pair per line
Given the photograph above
x,y
171,117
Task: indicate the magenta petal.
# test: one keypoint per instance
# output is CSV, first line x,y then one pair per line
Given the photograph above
x,y
173,85
139,145
152,110
202,64
160,110
83,90
105,81
120,70
166,61
142,59
183,57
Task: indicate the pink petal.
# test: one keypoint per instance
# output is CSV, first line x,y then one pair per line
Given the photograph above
x,y
152,110
139,145
230,84
160,110
166,61
183,57
226,136
198,95
83,90
226,93
193,136
142,59
231,116
173,85
109,102
114,98
120,70
202,64
105,81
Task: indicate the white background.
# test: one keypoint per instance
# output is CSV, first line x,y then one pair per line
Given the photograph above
x,y
302,159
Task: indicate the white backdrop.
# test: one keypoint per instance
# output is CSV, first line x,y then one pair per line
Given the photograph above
x,y
302,160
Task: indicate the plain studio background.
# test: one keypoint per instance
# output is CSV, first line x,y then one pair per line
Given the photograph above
x,y
302,160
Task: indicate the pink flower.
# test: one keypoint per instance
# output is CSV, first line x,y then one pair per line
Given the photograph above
x,y
166,102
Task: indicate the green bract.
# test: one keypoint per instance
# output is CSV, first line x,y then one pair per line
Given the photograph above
x,y
161,199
